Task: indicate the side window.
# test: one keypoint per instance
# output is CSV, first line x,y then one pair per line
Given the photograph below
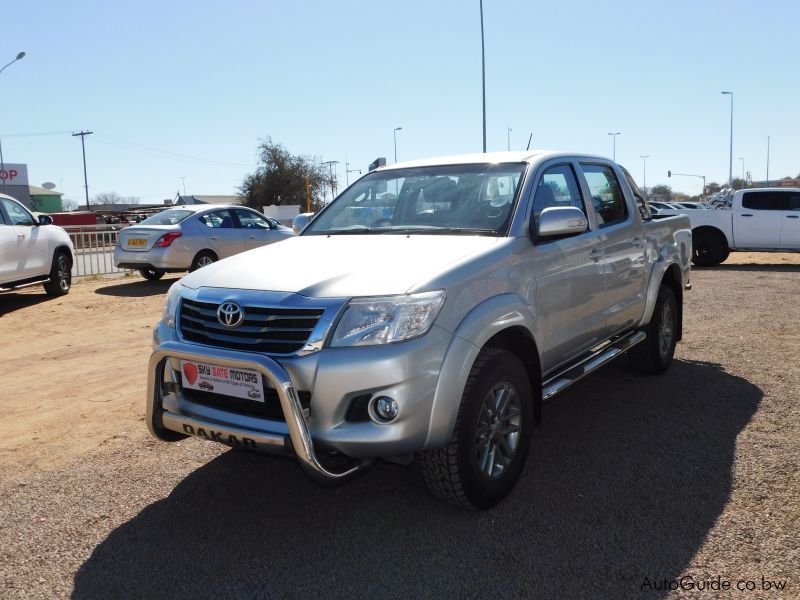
x,y
2,218
607,197
251,220
558,186
219,219
766,200
17,214
794,202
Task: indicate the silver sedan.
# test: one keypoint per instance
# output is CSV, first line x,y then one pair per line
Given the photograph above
x,y
185,238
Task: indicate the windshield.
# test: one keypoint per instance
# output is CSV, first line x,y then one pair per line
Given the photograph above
x,y
461,199
167,217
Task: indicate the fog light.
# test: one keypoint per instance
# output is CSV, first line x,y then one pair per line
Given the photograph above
x,y
385,408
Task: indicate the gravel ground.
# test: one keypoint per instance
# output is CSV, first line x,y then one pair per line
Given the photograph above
x,y
630,480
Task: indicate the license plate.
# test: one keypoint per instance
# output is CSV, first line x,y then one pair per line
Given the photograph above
x,y
137,242
229,381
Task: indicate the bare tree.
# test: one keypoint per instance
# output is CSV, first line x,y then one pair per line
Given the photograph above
x,y
113,198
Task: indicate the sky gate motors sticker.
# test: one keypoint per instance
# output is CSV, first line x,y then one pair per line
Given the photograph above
x,y
230,381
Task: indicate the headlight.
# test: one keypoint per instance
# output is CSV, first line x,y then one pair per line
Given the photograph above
x,y
369,321
171,304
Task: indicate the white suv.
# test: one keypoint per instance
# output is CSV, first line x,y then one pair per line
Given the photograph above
x,y
33,251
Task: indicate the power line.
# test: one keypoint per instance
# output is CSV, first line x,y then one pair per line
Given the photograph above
x,y
148,149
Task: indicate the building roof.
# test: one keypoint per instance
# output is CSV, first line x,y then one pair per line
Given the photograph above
x,y
204,199
35,190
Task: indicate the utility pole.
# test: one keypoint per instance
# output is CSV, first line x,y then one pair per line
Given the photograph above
x,y
730,155
330,164
83,135
183,179
508,133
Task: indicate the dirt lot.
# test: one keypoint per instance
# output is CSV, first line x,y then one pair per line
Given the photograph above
x,y
631,479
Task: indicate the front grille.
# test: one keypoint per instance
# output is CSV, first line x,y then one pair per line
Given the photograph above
x,y
264,329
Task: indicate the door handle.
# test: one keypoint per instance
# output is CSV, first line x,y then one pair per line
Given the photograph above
x,y
747,215
595,254
21,236
252,237
214,237
792,217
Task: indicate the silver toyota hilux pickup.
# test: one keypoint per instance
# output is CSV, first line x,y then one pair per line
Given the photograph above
x,y
427,311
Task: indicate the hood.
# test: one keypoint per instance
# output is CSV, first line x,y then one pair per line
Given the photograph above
x,y
341,266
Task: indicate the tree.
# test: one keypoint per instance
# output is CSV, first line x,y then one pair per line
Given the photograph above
x,y
661,193
713,188
738,184
113,198
280,179
68,204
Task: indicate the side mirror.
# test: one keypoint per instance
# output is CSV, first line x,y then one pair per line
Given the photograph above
x,y
300,221
561,220
45,220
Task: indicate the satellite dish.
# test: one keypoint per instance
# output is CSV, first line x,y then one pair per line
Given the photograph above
x,y
49,185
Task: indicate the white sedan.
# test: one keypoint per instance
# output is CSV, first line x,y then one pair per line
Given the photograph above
x,y
185,238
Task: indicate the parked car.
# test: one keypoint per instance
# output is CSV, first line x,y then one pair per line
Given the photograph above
x,y
185,238
430,321
33,250
757,219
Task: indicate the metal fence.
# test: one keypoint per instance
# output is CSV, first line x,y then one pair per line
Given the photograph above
x,y
94,249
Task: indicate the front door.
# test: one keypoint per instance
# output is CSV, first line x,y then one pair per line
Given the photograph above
x,y
256,229
31,256
569,276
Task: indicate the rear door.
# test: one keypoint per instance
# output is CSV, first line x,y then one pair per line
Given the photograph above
x,y
569,277
790,223
757,224
622,244
221,232
257,230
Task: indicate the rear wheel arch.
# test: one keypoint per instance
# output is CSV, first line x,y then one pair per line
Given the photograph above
x,y
710,246
205,252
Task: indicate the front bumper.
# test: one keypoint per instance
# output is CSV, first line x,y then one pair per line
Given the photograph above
x,y
408,372
172,258
298,433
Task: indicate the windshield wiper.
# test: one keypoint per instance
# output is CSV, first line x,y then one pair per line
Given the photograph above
x,y
446,230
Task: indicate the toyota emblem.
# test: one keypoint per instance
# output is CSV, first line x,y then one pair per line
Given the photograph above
x,y
230,314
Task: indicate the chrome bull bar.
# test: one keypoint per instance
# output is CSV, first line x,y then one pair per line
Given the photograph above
x,y
301,442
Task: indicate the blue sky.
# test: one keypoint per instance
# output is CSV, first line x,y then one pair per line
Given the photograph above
x,y
162,81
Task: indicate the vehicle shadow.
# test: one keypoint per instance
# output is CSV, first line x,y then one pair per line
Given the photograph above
x,y
626,476
138,288
771,268
10,302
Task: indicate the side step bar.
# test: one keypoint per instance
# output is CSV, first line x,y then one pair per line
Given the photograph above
x,y
24,285
572,374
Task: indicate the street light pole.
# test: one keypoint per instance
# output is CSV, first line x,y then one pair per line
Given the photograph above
x,y
348,170
19,56
183,179
730,156
483,78
741,158
83,135
614,145
508,135
644,173
396,129
767,161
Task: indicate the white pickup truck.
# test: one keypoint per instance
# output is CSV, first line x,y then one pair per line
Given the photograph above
x,y
760,219
427,310
33,251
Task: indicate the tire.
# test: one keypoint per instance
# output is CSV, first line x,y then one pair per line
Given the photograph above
x,y
203,259
708,250
152,274
654,355
60,276
468,471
